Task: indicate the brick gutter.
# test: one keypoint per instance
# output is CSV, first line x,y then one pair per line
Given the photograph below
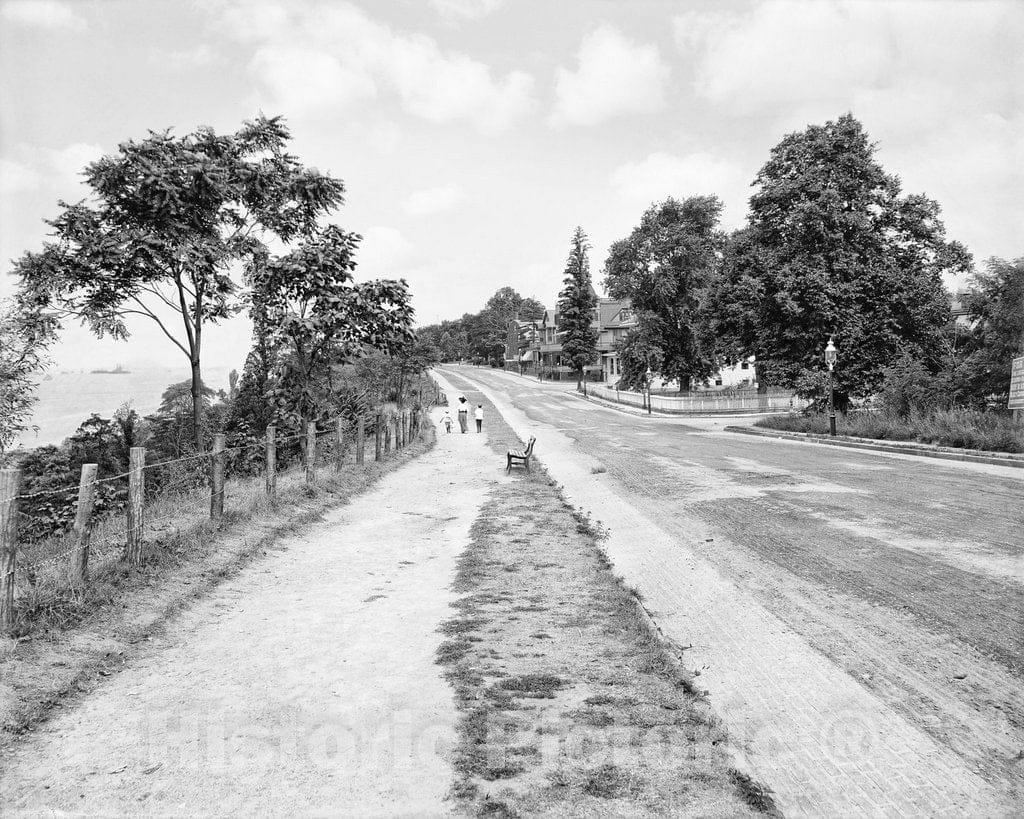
x,y
976,456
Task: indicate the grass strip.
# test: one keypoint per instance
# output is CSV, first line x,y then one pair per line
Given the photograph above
x,y
569,700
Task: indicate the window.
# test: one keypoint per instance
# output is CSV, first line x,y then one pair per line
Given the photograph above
x,y
745,365
718,382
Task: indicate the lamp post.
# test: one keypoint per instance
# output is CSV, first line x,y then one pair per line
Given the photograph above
x,y
830,359
650,378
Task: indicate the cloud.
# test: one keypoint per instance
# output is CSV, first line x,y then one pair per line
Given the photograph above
x,y
329,57
309,80
938,91
435,200
465,9
198,57
834,56
382,253
614,77
660,175
17,177
57,170
48,14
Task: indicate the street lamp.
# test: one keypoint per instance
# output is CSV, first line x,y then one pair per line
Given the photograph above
x,y
650,378
830,360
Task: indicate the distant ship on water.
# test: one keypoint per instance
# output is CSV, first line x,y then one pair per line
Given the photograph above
x,y
118,370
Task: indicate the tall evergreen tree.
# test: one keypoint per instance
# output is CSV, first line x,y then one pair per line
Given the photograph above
x,y
576,305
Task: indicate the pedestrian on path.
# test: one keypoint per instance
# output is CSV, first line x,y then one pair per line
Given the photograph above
x,y
463,414
478,414
446,419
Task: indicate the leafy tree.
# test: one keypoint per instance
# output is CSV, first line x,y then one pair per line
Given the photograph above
x,y
25,335
490,329
638,351
995,303
576,304
415,359
171,425
251,408
317,315
833,249
665,268
168,220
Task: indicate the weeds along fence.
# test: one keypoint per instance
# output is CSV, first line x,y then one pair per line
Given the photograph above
x,y
165,497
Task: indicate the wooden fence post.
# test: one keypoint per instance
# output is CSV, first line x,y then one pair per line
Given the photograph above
x,y
136,509
10,486
217,478
405,429
360,439
310,453
398,431
378,435
83,525
387,435
272,461
339,443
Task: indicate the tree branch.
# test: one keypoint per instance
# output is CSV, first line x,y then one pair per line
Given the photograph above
x,y
145,311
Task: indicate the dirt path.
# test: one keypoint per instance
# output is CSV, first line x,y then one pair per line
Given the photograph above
x,y
827,744
307,684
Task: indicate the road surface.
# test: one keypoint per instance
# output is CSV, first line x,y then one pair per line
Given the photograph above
x,y
858,618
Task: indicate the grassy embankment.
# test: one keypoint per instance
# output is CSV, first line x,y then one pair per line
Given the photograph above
x,y
954,428
69,640
569,700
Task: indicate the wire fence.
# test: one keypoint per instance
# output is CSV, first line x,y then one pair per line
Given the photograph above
x,y
122,519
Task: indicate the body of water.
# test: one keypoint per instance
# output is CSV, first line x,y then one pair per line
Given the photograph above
x,y
67,398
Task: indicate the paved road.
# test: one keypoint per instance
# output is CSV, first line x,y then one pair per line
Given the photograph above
x,y
858,618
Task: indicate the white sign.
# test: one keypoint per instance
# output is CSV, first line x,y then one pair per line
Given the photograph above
x,y
1017,384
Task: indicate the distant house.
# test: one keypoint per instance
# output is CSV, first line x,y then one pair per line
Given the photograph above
x,y
536,347
615,318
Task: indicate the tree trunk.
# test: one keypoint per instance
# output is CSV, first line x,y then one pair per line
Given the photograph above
x,y
197,406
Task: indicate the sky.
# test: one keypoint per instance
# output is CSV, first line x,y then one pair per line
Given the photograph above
x,y
474,135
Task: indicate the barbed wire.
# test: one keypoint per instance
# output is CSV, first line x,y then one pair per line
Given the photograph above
x,y
110,533
42,492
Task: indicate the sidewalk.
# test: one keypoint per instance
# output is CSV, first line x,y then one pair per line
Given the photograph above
x,y
826,744
307,684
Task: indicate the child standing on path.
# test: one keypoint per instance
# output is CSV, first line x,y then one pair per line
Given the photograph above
x,y
446,419
478,414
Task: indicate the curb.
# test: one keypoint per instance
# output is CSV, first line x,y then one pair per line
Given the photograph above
x,y
968,456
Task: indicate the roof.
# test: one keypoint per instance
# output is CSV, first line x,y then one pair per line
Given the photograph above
x,y
610,311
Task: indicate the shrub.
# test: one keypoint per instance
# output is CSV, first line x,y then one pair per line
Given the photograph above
x,y
969,429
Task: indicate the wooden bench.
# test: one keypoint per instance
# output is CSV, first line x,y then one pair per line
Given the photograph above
x,y
524,455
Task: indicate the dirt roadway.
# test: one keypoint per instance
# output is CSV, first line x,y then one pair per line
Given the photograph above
x,y
848,702
307,684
